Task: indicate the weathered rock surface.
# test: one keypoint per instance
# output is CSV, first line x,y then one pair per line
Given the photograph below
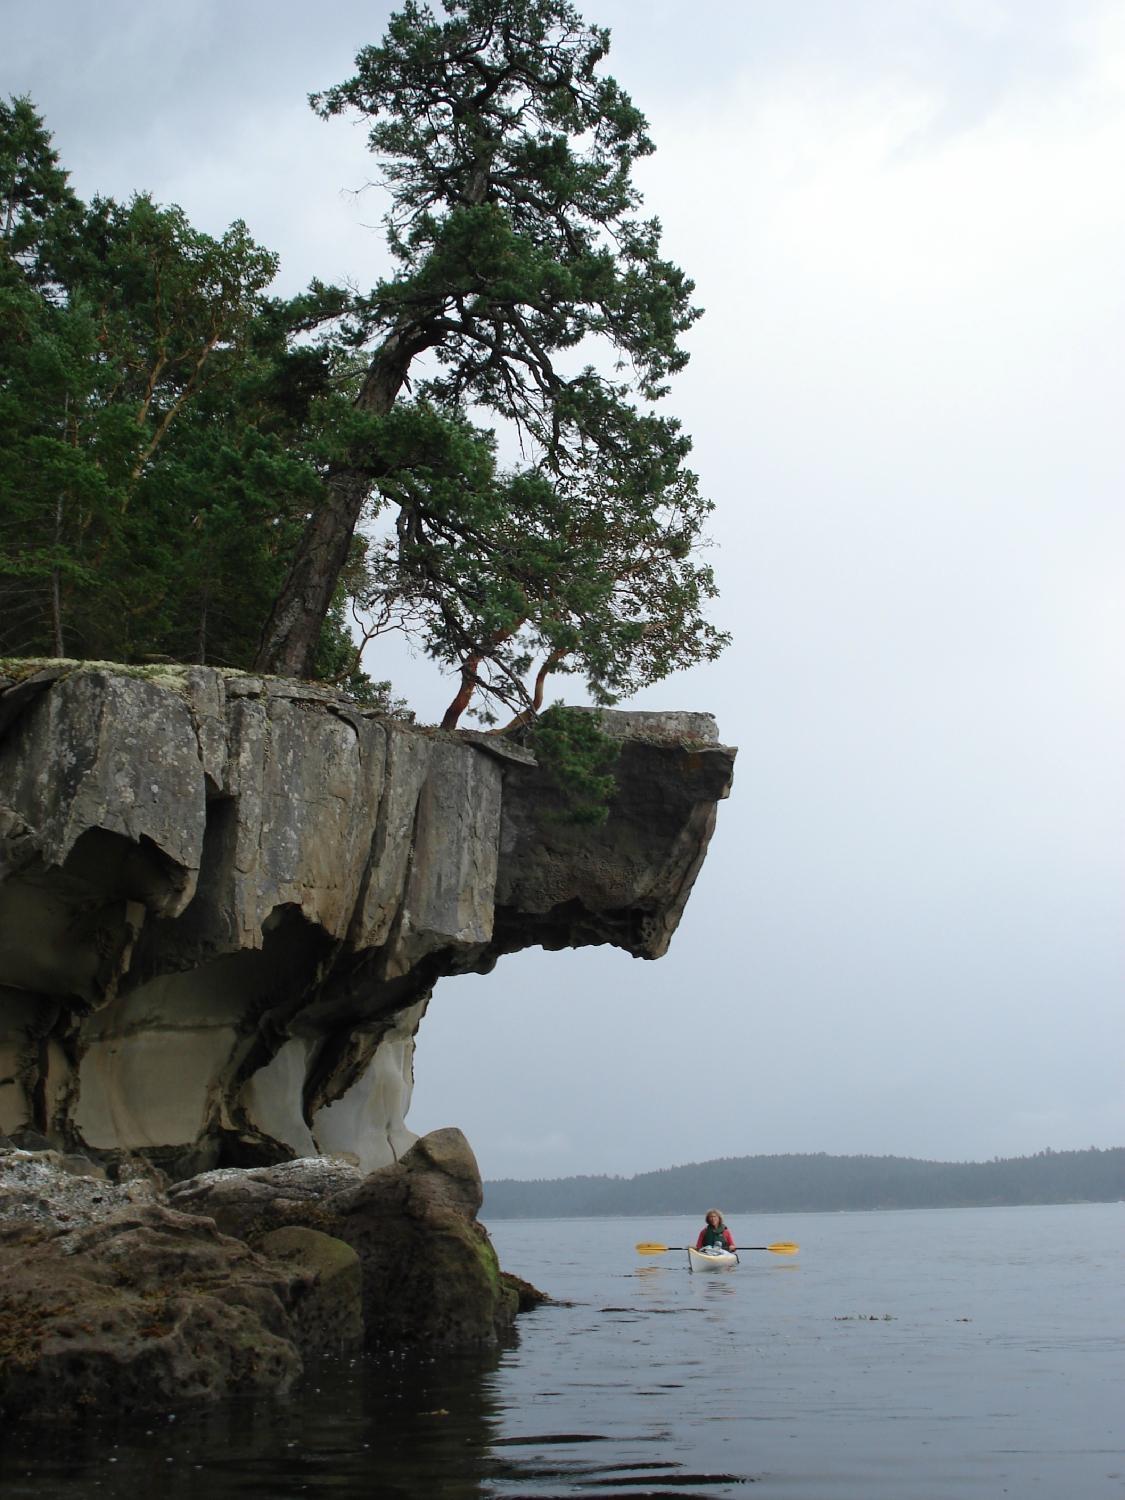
x,y
41,1191
329,1316
224,901
119,1296
109,1299
422,1211
429,1271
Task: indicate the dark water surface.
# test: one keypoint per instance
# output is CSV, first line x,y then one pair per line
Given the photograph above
x,y
921,1355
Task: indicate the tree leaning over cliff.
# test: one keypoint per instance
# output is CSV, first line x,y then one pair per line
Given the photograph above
x,y
514,223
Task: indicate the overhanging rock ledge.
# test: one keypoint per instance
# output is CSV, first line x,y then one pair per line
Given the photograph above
x,y
225,900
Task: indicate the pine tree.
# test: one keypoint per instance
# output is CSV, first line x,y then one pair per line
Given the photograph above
x,y
520,250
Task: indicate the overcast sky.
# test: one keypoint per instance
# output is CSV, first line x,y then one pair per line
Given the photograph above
x,y
906,221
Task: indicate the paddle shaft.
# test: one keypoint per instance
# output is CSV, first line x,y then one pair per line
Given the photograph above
x,y
782,1247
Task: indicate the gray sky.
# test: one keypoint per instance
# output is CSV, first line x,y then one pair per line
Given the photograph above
x,y
906,219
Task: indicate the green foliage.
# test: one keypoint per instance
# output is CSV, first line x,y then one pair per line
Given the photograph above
x,y
523,571
160,438
578,757
520,252
33,186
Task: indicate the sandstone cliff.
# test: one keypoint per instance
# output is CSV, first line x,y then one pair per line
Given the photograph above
x,y
224,901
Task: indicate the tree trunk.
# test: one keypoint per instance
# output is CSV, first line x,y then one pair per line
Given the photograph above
x,y
56,580
526,715
289,641
292,632
464,693
59,644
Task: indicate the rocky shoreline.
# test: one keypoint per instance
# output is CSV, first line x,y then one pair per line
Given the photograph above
x,y
224,903
119,1291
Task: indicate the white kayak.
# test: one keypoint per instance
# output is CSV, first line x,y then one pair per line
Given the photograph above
x,y
712,1260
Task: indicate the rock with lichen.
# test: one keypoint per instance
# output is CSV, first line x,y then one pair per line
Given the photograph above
x,y
124,1296
138,1310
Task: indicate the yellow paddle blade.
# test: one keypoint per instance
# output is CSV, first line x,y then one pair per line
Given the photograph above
x,y
649,1247
783,1247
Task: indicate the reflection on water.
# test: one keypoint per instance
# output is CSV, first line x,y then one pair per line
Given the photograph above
x,y
421,1426
404,1427
956,1353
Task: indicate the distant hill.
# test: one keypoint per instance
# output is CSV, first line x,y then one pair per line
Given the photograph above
x,y
818,1183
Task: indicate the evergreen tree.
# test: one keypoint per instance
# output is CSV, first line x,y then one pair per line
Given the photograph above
x,y
520,250
184,461
161,436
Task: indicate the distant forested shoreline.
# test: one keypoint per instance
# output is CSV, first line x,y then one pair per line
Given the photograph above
x,y
819,1183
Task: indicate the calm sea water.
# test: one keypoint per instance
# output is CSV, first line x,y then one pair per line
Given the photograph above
x,y
920,1356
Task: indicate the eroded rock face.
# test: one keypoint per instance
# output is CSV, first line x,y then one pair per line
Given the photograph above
x,y
224,901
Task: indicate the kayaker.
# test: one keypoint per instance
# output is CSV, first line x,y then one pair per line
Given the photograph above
x,y
714,1235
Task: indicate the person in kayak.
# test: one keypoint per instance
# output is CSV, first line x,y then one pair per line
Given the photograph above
x,y
714,1235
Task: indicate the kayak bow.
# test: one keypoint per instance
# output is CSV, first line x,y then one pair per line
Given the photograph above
x,y
714,1260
